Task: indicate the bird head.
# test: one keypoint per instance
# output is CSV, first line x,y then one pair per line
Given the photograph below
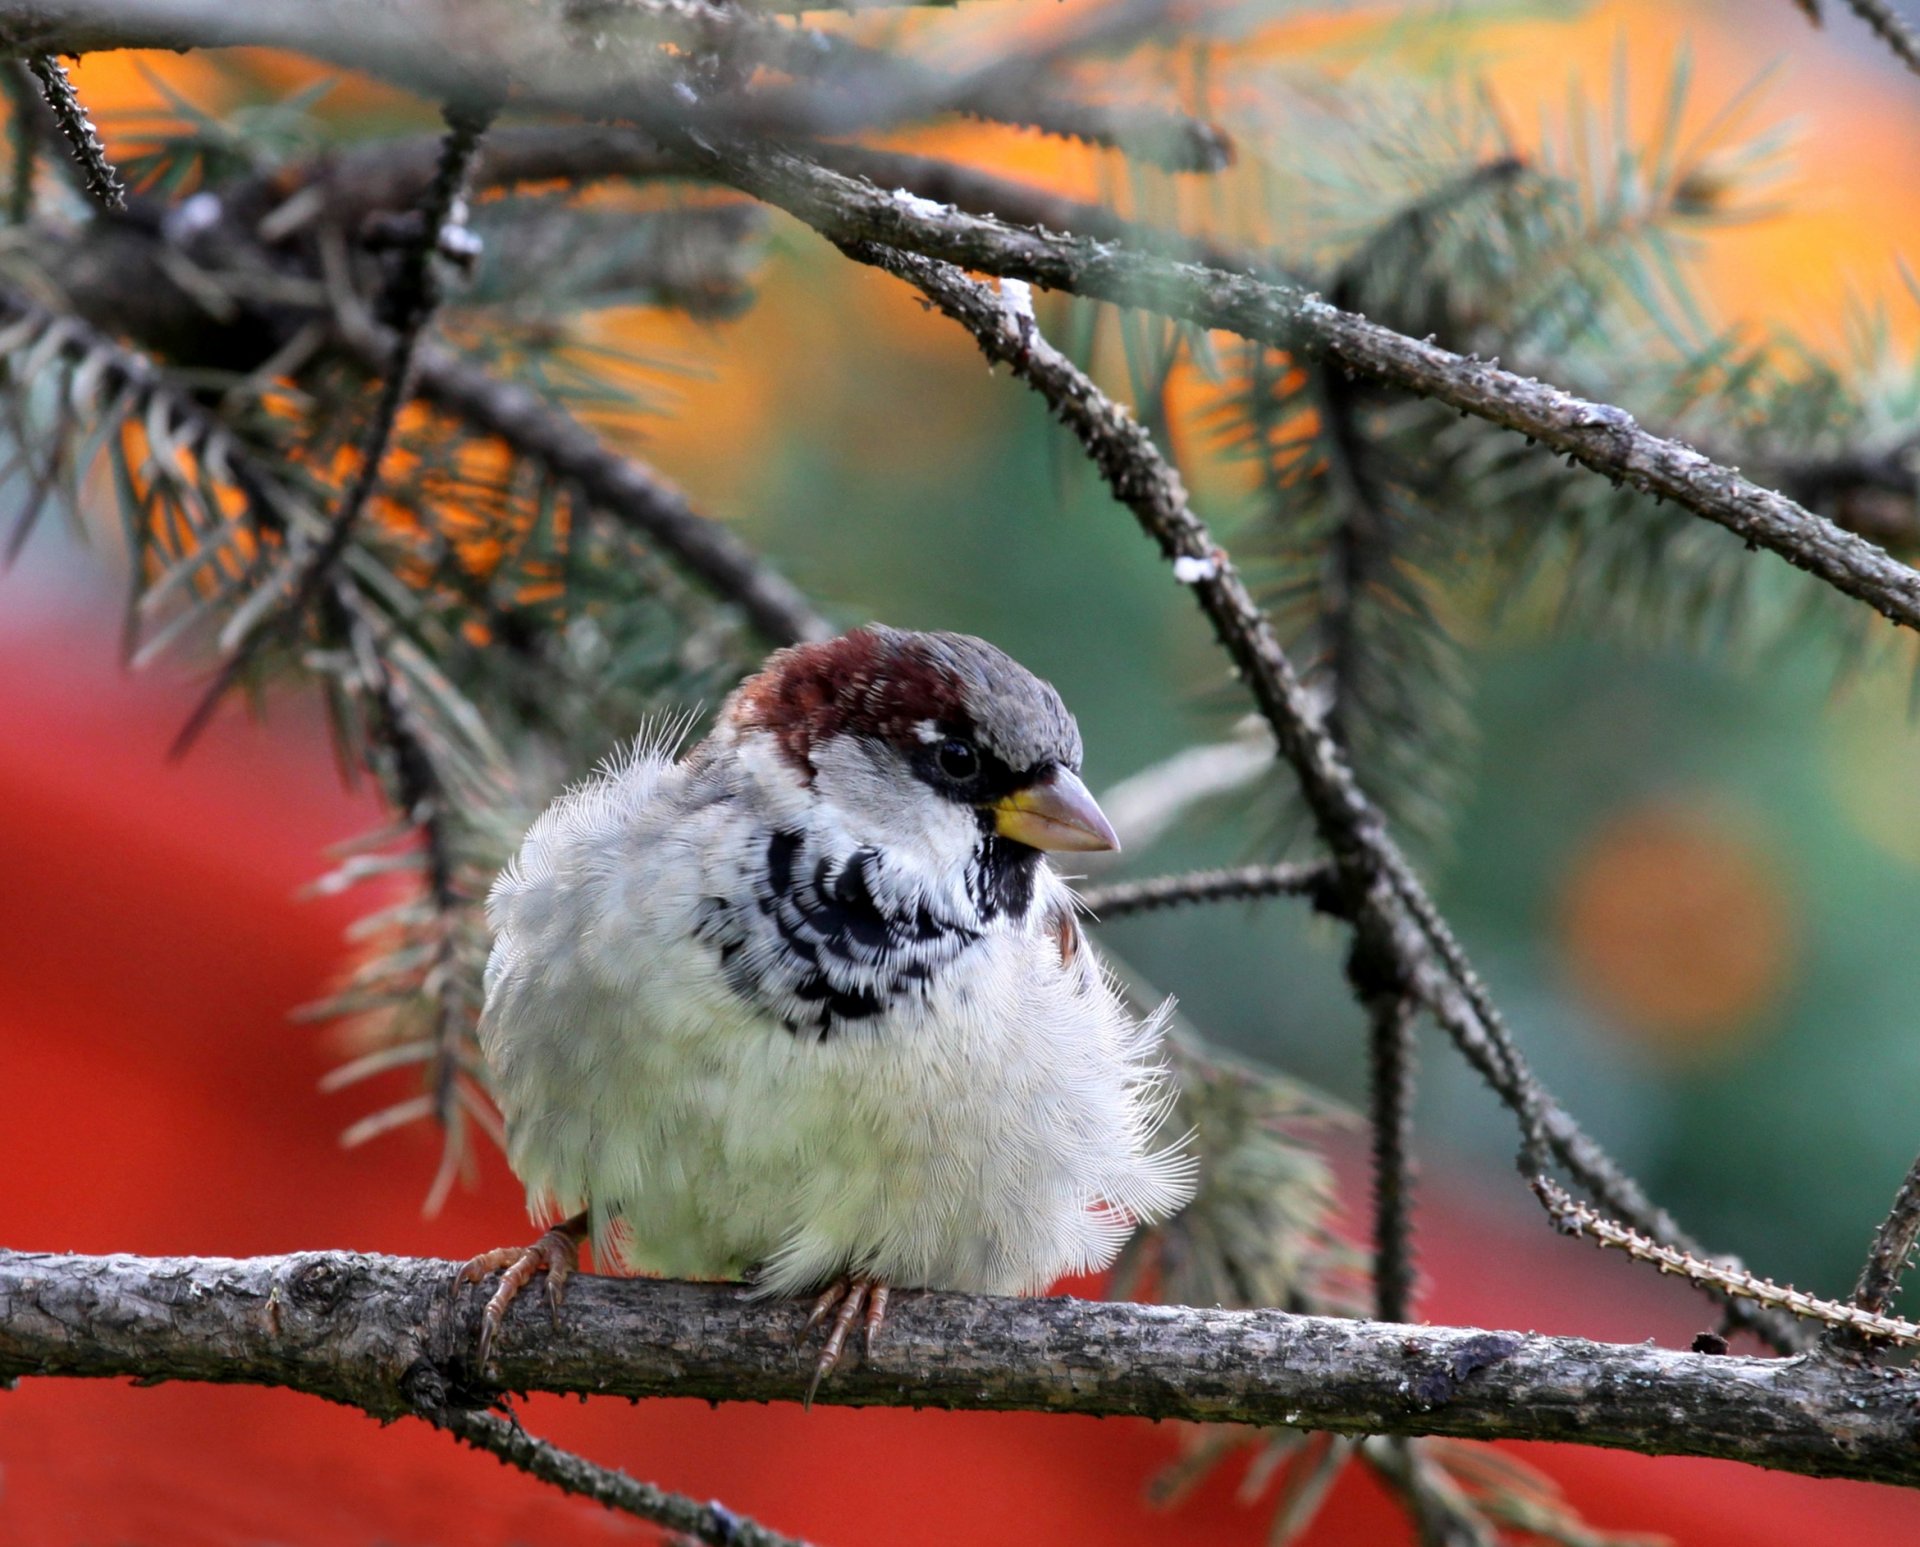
x,y
924,738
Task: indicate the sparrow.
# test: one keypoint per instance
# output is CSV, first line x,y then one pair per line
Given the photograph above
x,y
808,1006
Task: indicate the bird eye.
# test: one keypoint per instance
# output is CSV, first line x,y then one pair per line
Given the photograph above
x,y
957,759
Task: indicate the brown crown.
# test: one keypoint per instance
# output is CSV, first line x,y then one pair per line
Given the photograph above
x,y
867,683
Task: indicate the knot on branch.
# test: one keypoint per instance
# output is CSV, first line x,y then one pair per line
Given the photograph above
x,y
1440,1381
317,1284
1376,968
427,1392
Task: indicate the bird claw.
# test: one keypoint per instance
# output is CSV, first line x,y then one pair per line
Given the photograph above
x,y
556,1253
845,1299
828,1298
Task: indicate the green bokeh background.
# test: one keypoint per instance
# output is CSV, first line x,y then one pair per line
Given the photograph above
x,y
1783,1144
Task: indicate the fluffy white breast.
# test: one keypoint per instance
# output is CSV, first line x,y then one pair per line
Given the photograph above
x,y
752,1029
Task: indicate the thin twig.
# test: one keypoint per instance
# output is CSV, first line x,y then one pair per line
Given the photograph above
x,y
414,297
389,174
1892,1249
101,179
27,106
712,1522
1391,1084
627,490
1578,1219
1378,890
1241,883
1891,28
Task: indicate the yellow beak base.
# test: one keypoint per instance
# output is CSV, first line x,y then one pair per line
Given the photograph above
x,y
1057,815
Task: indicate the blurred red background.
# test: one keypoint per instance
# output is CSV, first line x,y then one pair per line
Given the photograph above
x,y
162,1103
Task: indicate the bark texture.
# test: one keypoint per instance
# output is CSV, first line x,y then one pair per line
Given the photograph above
x,y
389,1335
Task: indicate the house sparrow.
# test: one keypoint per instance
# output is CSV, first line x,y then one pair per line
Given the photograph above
x,y
809,1005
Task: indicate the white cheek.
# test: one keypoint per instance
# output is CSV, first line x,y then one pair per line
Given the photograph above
x,y
878,800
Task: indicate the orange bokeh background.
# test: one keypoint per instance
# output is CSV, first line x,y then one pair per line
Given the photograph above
x,y
154,944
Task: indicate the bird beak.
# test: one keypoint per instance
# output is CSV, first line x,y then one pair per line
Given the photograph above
x,y
1058,813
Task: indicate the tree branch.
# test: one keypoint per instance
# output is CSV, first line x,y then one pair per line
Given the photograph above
x,y
1391,1053
1891,28
1871,494
387,1335
611,59
1892,1249
1377,889
1600,436
711,1522
415,296
100,178
625,489
1239,884
450,51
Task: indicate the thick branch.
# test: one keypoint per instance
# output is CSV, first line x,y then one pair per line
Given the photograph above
x,y
1602,437
386,1334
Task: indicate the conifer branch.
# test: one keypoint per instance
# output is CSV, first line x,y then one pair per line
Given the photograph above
x,y
687,1518
1597,435
416,790
626,489
1892,1249
650,62
1574,1218
1405,957
1891,28
101,180
1377,889
412,300
1118,899
1442,1514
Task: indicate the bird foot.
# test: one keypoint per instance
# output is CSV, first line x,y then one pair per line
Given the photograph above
x,y
556,1253
844,1299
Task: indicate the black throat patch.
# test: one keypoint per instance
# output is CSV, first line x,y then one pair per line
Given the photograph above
x,y
813,946
1000,877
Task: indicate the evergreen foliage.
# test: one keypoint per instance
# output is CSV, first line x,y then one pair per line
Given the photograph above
x,y
206,380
